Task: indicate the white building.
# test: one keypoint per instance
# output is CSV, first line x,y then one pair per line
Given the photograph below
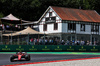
x,y
70,24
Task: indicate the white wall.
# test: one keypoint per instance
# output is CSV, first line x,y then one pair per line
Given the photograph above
x,y
87,29
47,15
50,26
41,28
78,31
77,28
64,27
53,14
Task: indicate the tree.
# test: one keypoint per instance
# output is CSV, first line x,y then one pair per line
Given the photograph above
x,y
32,10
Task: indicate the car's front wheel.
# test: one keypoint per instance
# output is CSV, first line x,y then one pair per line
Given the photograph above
x,y
27,57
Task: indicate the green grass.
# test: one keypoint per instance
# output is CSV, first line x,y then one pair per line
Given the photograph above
x,y
75,53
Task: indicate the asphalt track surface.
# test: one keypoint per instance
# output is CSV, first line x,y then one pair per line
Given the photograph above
x,y
5,58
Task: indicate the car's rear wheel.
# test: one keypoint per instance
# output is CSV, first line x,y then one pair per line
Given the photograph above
x,y
12,59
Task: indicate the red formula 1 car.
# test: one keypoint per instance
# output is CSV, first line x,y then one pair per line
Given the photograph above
x,y
20,56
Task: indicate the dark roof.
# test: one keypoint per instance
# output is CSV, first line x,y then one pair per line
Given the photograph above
x,y
77,14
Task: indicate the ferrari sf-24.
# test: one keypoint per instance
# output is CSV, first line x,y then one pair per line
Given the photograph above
x,y
20,56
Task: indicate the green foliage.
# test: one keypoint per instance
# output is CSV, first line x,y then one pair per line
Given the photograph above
x,y
32,10
1,15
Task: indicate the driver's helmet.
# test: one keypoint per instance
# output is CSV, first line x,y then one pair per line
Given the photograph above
x,y
24,52
19,52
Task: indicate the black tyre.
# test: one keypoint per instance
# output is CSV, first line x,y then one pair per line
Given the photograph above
x,y
27,57
12,59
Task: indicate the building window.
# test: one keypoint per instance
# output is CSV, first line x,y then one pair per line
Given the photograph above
x,y
82,27
53,18
95,28
46,19
55,26
50,19
50,14
45,27
71,26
